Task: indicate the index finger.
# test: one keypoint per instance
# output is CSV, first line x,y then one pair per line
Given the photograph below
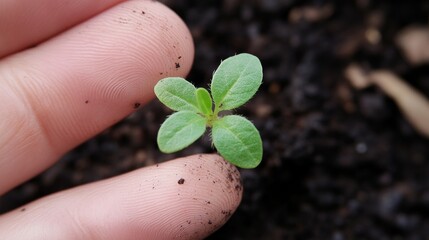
x,y
68,89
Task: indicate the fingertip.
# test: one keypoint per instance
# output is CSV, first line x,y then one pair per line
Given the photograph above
x,y
200,193
210,191
113,62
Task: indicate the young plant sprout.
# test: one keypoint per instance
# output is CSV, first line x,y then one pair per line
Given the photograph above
x,y
234,82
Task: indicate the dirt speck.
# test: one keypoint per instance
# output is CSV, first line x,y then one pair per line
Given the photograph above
x,y
226,213
230,178
143,12
177,65
137,105
181,181
23,209
87,101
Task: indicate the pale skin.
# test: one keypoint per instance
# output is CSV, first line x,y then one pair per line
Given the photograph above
x,y
90,63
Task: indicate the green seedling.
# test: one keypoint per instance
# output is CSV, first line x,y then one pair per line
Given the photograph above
x,y
234,82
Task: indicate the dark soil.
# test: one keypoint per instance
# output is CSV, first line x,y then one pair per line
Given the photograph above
x,y
338,163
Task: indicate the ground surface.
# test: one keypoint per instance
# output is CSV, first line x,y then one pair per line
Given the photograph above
x,y
339,163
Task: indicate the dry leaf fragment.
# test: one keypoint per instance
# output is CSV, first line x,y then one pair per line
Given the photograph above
x,y
412,103
311,13
414,42
373,36
357,77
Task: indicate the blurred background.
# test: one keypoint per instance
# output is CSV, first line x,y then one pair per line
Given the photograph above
x,y
343,114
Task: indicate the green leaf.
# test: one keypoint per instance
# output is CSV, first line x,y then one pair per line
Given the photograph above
x,y
238,141
236,81
204,101
177,94
180,130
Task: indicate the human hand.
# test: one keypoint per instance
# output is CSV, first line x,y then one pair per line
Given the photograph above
x,y
74,84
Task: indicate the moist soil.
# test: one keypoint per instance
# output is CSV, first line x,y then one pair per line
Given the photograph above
x,y
339,163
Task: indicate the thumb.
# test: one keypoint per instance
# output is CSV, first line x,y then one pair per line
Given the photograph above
x,y
187,198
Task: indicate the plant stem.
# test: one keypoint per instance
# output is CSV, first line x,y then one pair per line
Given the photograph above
x,y
213,117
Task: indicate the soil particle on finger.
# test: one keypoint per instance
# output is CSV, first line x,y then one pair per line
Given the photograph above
x,y
227,213
181,181
230,178
136,105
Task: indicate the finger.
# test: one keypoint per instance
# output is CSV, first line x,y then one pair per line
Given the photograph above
x,y
72,87
23,24
187,198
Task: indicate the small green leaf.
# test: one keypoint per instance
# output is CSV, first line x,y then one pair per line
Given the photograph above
x,y
177,94
238,141
204,101
236,81
180,130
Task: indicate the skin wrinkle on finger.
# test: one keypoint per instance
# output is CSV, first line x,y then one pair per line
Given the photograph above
x,y
20,133
146,203
90,77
